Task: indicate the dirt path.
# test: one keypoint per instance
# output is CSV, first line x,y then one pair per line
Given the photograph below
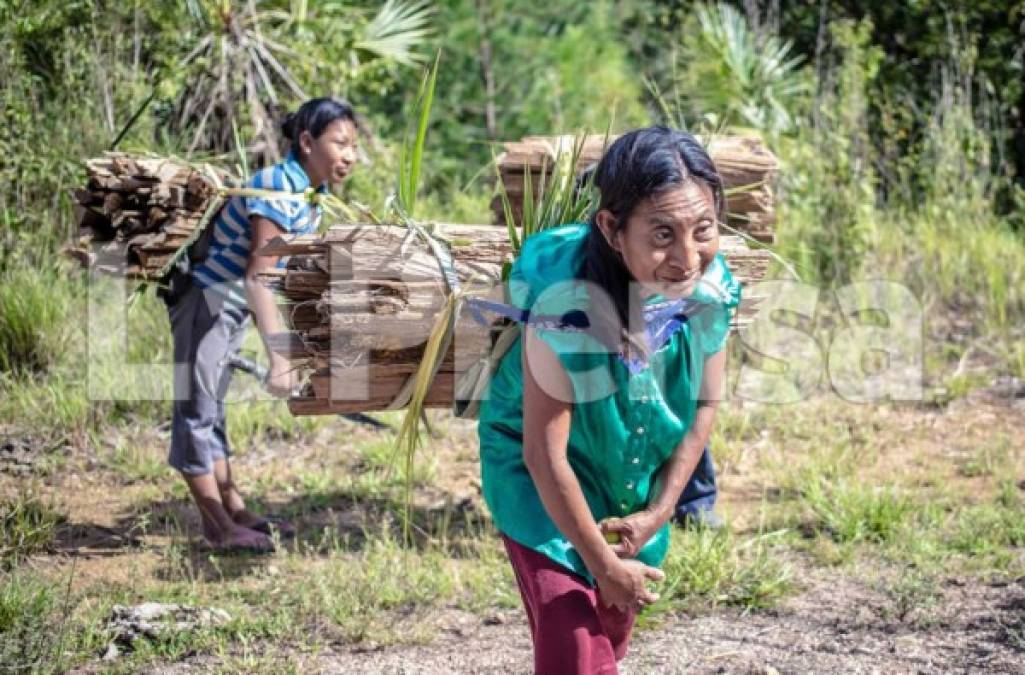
x,y
864,615
835,625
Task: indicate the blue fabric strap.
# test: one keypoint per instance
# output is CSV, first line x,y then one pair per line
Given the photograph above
x,y
662,320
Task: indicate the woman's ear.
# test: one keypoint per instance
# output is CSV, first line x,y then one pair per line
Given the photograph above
x,y
607,224
306,142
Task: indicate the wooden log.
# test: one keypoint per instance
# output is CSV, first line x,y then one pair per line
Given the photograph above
x,y
362,300
170,196
152,204
742,162
89,218
478,252
440,395
394,252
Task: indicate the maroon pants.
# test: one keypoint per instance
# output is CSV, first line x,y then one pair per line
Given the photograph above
x,y
573,631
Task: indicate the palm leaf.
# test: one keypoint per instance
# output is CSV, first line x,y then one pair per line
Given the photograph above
x,y
397,29
411,154
240,59
408,440
503,194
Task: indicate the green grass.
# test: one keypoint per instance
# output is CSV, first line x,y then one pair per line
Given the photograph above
x,y
707,568
90,379
253,423
989,528
912,595
852,512
135,462
28,524
27,605
989,459
35,318
380,592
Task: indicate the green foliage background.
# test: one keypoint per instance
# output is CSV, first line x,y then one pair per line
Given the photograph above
x,y
901,133
899,127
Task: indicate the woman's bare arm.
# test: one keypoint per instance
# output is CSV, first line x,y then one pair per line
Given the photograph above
x,y
262,304
547,411
677,470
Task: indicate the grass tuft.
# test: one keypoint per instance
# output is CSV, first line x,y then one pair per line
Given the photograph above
x,y
35,307
27,605
851,512
712,568
27,525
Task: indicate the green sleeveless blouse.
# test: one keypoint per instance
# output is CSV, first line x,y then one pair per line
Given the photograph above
x,y
626,421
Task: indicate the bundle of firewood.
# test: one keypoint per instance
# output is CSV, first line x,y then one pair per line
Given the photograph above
x,y
360,302
745,164
142,211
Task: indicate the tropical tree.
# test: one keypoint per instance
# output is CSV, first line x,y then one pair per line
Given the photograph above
x,y
242,61
747,78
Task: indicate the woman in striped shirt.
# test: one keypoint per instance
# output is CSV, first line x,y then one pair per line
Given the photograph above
x,y
209,320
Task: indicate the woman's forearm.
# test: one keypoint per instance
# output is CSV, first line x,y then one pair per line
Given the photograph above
x,y
674,474
564,501
264,309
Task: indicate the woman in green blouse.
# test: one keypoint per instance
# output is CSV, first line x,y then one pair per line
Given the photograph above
x,y
598,415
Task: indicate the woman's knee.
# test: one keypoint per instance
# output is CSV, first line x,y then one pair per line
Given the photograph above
x,y
570,636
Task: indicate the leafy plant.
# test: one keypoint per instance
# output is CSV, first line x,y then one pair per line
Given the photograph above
x,y
395,32
751,79
563,196
27,525
852,513
835,188
35,305
714,567
240,61
27,604
411,152
404,204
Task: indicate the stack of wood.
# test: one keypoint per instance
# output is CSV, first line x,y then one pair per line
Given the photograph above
x,y
360,301
745,164
142,211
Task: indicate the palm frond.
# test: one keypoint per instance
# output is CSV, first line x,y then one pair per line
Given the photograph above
x,y
408,440
560,198
411,152
240,65
397,29
747,78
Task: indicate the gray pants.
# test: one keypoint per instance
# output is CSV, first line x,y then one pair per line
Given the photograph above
x,y
206,331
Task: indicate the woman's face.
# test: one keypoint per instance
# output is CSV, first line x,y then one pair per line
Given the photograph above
x,y
669,240
331,156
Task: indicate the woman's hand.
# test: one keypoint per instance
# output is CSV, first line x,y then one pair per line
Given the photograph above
x,y
623,585
629,535
281,380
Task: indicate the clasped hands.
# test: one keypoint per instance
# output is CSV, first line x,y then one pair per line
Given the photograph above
x,y
623,583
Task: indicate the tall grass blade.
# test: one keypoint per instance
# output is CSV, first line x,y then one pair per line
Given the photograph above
x,y
408,440
416,160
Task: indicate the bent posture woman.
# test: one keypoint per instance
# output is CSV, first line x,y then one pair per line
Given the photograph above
x,y
598,415
208,321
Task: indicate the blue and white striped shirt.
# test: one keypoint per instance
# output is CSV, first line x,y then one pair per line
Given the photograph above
x,y
225,264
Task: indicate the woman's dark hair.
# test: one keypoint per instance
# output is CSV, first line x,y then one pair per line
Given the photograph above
x,y
640,164
314,116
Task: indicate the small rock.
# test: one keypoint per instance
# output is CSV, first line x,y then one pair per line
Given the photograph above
x,y
1009,387
151,619
769,670
21,455
112,652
